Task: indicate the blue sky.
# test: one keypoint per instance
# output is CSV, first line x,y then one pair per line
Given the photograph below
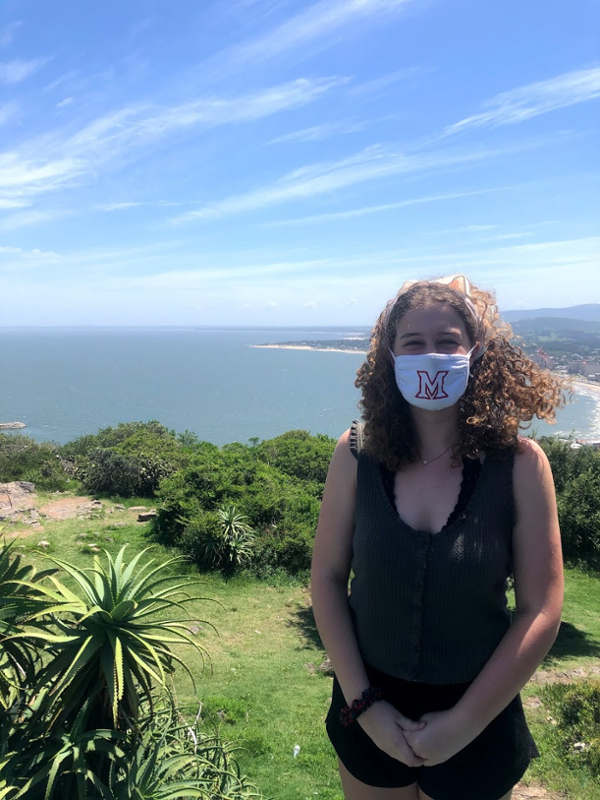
x,y
270,162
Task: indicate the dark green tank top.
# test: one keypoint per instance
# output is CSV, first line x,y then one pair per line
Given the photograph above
x,y
431,607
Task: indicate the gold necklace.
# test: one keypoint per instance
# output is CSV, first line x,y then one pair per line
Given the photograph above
x,y
426,461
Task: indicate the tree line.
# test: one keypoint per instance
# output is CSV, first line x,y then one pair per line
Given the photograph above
x,y
252,506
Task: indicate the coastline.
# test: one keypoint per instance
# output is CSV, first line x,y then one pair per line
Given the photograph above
x,y
306,347
587,385
579,386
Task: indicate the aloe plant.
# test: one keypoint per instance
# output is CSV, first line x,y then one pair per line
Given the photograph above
x,y
172,759
114,646
237,538
96,716
63,763
23,598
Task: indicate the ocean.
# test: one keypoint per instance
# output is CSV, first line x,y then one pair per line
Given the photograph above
x,y
64,383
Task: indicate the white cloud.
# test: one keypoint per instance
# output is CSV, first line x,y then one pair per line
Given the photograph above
x,y
60,80
6,203
320,132
534,99
35,253
310,304
115,135
8,33
135,125
16,71
66,102
119,206
318,21
7,111
20,178
373,163
366,210
376,85
24,219
367,275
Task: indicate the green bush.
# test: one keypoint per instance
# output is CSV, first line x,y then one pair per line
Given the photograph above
x,y
280,506
576,710
22,459
576,474
107,438
299,454
289,549
129,460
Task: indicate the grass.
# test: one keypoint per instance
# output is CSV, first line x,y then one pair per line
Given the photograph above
x,y
264,688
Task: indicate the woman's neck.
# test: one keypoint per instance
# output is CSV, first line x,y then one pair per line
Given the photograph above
x,y
436,430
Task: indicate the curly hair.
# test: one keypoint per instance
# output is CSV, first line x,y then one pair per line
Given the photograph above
x,y
505,389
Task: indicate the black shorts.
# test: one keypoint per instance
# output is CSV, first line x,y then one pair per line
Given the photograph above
x,y
486,769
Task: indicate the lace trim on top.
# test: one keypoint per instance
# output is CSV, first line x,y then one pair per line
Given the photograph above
x,y
470,473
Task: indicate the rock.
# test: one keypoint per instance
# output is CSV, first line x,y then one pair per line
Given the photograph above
x,y
147,516
11,426
138,508
43,544
119,507
532,702
16,498
326,667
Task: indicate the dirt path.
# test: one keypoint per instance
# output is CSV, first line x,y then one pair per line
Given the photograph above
x,y
535,792
70,507
543,676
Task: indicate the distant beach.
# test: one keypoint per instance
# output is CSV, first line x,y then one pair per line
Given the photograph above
x,y
308,347
580,386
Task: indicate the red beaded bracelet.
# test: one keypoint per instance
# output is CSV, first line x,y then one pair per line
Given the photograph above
x,y
350,713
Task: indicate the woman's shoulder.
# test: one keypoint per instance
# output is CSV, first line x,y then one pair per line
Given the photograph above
x,y
531,463
345,447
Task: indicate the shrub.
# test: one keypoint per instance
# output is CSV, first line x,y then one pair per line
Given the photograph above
x,y
219,539
577,480
129,460
299,454
281,510
23,459
289,549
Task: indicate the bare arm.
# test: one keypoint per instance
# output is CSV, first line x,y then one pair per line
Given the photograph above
x,y
329,584
537,559
330,571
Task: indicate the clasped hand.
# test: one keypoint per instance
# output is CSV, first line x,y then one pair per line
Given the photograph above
x,y
431,740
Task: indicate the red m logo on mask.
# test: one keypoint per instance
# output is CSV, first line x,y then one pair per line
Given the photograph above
x,y
431,388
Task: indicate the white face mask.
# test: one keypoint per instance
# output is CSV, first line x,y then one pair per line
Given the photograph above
x,y
432,380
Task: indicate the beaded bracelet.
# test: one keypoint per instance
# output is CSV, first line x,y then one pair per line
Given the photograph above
x,y
350,713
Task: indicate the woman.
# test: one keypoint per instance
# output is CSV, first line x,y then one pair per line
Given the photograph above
x,y
433,502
